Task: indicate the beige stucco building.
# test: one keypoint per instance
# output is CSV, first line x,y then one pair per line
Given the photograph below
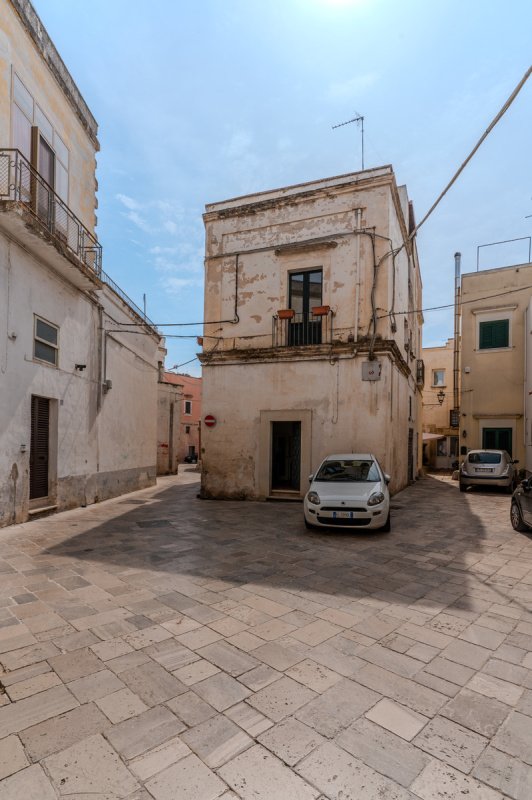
x,y
314,338
440,440
169,405
496,361
78,392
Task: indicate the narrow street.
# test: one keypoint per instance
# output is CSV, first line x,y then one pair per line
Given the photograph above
x,y
161,646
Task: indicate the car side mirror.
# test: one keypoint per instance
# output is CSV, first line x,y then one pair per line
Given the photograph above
x,y
310,478
387,478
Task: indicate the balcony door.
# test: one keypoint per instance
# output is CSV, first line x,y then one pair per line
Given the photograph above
x,y
305,293
46,169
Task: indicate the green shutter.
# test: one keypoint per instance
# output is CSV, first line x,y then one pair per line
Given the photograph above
x,y
494,334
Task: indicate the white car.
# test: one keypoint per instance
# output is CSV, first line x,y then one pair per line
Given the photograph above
x,y
348,491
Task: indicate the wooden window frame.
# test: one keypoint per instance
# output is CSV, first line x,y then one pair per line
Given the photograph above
x,y
37,338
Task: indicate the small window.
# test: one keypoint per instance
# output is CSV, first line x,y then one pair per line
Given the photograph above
x,y
188,406
494,334
187,428
46,341
438,377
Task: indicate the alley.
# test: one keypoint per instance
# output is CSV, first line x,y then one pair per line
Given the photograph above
x,y
162,646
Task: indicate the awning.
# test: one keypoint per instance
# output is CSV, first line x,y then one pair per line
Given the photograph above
x,y
428,436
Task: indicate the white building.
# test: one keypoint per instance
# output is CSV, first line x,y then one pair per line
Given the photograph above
x,y
78,389
313,346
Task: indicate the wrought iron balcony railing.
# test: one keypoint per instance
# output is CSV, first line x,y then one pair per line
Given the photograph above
x,y
296,330
20,182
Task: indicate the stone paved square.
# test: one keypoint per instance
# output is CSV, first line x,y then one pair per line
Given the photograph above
x,y
254,659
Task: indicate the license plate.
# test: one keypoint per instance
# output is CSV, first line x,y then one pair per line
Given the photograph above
x,y
342,515
483,469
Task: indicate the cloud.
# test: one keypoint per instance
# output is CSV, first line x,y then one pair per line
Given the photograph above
x,y
177,285
140,222
157,250
128,202
353,87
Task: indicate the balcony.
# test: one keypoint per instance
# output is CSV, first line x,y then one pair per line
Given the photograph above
x,y
299,330
33,214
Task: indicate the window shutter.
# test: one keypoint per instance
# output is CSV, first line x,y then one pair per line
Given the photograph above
x,y
494,334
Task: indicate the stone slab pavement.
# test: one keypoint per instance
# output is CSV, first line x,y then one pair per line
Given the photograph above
x,y
161,646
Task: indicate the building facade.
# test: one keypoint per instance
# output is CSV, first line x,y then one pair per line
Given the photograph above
x,y
496,361
169,405
312,293
190,414
78,392
440,427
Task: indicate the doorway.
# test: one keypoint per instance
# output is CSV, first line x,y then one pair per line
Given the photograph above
x,y
286,456
497,439
39,448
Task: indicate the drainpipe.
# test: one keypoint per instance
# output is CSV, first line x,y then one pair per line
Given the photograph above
x,y
358,222
456,353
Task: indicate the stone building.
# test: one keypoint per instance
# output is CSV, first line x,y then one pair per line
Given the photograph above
x,y
188,444
440,438
78,392
169,405
313,346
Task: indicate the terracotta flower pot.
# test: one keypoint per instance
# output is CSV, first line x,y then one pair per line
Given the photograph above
x,y
321,311
286,313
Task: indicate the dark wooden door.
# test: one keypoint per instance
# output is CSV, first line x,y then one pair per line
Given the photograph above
x,y
39,447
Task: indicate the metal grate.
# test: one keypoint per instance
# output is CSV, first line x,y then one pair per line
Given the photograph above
x,y
20,182
302,330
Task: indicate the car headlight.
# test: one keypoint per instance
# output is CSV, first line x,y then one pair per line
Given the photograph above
x,y
375,499
314,498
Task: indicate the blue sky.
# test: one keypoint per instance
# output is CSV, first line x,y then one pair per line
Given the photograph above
x,y
202,101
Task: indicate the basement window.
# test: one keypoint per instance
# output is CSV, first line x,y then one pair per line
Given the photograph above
x,y
45,341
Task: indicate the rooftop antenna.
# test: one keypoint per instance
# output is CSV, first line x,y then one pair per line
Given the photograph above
x,y
358,119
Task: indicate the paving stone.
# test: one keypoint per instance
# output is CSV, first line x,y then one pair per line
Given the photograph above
x,y
387,753
504,773
75,641
199,638
90,767
251,720
332,654
228,658
291,740
337,707
221,691
128,661
478,634
490,686
282,698
449,671
259,775
316,633
121,705
451,743
12,756
398,663
228,626
525,703
267,606
194,779
441,782
314,676
17,659
197,671
31,686
515,737
404,691
32,710
28,784
152,683
506,672
376,626
396,718
216,740
340,775
111,649
191,709
477,712
470,655
246,641
171,654
154,761
145,731
24,674
259,677
76,664
61,731
15,640
277,655
94,686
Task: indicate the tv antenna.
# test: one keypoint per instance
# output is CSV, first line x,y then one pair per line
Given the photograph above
x,y
358,119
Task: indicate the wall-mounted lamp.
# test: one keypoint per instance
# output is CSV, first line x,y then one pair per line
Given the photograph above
x,y
441,396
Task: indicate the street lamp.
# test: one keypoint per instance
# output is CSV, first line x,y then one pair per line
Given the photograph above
x,y
441,397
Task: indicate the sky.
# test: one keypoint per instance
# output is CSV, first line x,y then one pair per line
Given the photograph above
x,y
206,100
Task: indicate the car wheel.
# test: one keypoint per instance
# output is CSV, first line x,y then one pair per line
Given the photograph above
x,y
386,528
516,518
463,486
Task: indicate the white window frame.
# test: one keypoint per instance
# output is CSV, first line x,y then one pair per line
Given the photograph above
x,y
36,338
494,315
435,383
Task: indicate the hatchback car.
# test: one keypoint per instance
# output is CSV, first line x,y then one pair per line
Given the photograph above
x,y
348,491
488,468
521,508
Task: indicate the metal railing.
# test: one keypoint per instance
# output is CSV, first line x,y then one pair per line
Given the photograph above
x,y
301,330
20,182
120,292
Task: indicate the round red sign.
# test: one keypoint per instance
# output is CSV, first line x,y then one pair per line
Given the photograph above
x,y
210,421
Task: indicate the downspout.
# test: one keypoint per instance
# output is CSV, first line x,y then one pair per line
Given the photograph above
x,y
456,350
358,221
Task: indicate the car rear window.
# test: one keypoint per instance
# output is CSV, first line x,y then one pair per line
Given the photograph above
x,y
359,471
484,458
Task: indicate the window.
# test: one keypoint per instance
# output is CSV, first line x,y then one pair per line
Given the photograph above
x,y
46,341
304,294
438,377
494,334
187,428
188,407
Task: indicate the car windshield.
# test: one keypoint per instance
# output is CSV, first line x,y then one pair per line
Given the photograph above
x,y
359,471
484,458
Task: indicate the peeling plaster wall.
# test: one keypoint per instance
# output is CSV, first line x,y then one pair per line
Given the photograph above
x,y
267,236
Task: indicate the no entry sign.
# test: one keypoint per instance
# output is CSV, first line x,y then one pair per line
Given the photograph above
x,y
209,420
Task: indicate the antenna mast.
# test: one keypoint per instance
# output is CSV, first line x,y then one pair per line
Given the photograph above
x,y
358,119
